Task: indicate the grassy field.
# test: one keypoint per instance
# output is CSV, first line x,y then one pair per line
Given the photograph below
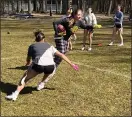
x,y
100,88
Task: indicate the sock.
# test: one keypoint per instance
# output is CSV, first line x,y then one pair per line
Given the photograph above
x,y
16,92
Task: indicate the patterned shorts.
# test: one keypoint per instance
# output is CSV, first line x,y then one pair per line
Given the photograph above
x,y
61,46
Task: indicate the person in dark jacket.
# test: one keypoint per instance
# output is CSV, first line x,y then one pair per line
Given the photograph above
x,y
71,25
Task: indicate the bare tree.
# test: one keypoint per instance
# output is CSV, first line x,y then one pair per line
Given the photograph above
x,y
29,6
110,5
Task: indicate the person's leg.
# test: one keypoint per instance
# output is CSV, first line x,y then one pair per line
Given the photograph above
x,y
26,77
61,46
70,44
90,41
74,37
84,38
49,71
120,36
113,36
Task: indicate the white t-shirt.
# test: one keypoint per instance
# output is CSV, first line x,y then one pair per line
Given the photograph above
x,y
48,57
90,19
42,53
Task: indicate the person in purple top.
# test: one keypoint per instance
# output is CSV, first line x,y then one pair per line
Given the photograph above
x,y
118,19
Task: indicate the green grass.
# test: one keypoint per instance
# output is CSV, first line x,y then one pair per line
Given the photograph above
x,y
100,88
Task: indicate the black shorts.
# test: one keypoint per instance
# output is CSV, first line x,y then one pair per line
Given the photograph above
x,y
118,26
90,29
46,69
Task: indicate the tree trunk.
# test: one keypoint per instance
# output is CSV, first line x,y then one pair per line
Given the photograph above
x,y
29,6
61,6
109,10
43,6
1,7
12,6
35,5
18,6
56,6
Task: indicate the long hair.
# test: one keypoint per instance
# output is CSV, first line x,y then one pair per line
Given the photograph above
x,y
75,12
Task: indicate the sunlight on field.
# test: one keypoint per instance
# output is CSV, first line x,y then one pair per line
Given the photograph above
x,y
100,88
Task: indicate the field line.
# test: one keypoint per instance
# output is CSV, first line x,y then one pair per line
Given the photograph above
x,y
89,66
7,58
103,70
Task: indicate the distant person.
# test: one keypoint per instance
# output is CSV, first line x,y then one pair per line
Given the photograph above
x,y
89,19
42,56
130,15
118,19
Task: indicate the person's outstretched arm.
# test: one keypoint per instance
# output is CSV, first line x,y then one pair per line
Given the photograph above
x,y
66,59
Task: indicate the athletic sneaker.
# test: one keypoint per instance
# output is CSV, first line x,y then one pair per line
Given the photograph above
x,y
111,44
83,48
89,49
120,44
13,96
40,86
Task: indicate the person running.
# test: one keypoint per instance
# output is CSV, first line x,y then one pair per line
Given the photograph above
x,y
89,19
41,54
73,36
71,25
118,19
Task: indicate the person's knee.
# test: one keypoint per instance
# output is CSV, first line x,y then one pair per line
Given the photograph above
x,y
23,80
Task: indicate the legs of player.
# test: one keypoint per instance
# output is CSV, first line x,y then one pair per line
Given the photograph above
x,y
113,36
44,80
70,44
26,77
90,41
120,36
84,38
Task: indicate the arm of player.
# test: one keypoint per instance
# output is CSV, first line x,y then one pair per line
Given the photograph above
x,y
29,54
94,20
28,61
67,60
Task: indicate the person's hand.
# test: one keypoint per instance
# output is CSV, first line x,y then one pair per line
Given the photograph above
x,y
115,17
75,67
97,26
27,64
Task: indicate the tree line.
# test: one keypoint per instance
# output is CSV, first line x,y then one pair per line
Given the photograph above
x,y
99,6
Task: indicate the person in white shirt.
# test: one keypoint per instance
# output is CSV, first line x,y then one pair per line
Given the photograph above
x,y
42,56
89,19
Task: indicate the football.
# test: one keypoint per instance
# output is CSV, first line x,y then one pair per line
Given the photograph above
x,y
61,28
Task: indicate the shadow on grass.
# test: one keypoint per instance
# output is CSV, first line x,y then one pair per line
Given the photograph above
x,y
8,88
20,68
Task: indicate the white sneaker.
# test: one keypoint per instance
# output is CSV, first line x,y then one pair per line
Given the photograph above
x,y
111,44
13,96
121,44
40,86
89,49
83,48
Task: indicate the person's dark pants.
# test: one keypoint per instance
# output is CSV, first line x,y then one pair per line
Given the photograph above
x,y
61,46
